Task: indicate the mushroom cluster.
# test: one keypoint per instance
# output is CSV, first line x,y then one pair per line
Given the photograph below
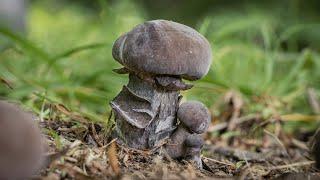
x,y
21,147
186,141
157,55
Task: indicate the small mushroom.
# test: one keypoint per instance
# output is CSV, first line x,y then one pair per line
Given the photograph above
x,y
185,145
157,55
21,148
186,141
195,116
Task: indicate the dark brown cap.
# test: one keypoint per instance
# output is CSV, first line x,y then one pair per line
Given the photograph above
x,y
21,149
164,48
195,116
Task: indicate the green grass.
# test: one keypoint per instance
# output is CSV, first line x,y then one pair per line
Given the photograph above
x,y
66,58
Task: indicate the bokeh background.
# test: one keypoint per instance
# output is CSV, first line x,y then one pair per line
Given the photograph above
x,y
266,54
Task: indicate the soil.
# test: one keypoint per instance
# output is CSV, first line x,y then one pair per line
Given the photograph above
x,y
80,149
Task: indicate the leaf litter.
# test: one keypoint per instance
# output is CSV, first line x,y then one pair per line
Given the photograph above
x,y
251,147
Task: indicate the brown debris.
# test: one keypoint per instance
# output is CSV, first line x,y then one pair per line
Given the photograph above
x,y
113,158
90,156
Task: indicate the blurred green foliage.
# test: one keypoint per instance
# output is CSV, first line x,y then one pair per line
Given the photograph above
x,y
265,51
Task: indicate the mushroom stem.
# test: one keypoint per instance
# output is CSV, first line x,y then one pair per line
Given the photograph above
x,y
145,113
175,147
193,145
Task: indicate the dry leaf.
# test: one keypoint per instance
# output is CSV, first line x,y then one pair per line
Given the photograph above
x,y
113,158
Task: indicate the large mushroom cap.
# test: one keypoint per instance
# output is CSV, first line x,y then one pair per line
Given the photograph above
x,y
165,48
21,147
195,116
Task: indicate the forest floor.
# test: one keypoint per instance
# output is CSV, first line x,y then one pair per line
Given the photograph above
x,y
79,149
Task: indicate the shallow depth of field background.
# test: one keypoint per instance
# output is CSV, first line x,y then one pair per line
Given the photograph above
x,y
267,52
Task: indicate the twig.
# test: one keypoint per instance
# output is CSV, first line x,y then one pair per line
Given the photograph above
x,y
220,162
280,143
247,163
95,135
236,153
113,140
224,125
277,140
298,164
300,144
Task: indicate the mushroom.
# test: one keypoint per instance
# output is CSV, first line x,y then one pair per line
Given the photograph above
x,y
21,147
185,145
157,55
186,141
